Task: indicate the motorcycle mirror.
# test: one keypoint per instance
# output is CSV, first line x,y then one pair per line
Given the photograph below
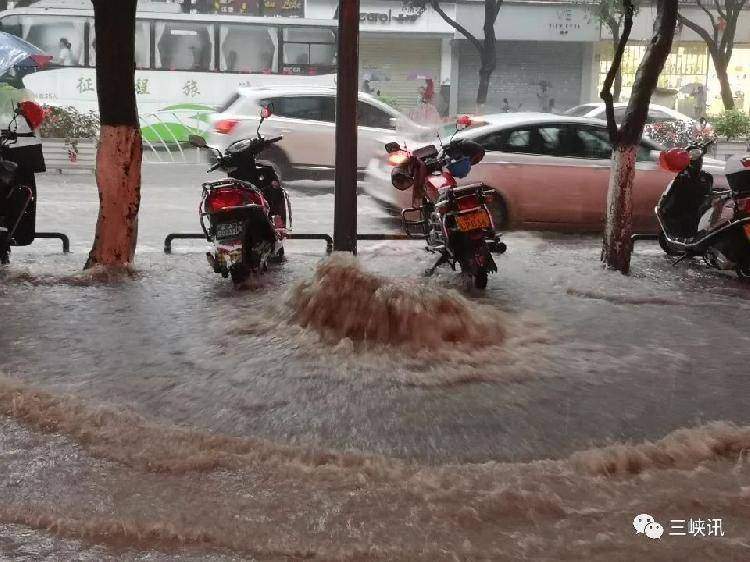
x,y
674,160
33,113
197,141
392,147
463,122
266,111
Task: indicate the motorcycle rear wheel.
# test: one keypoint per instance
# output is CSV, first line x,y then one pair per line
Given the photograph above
x,y
240,273
664,244
743,270
480,278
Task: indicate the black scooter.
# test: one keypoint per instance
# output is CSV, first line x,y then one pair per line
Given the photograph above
x,y
246,215
15,197
698,220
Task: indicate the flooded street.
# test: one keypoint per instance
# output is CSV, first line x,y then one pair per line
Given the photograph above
x,y
351,410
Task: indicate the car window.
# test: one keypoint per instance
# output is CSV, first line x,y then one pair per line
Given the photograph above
x,y
594,142
658,116
229,102
370,116
580,110
518,140
619,114
644,153
550,140
309,108
494,141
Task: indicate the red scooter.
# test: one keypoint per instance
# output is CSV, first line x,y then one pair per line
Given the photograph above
x,y
454,220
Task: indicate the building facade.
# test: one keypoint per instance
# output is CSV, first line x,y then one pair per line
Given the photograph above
x,y
551,55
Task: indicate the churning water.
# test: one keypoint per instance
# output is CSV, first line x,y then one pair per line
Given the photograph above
x,y
342,412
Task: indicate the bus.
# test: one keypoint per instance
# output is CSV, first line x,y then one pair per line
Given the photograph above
x,y
186,64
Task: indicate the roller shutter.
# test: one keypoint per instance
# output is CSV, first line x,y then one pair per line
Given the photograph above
x,y
396,57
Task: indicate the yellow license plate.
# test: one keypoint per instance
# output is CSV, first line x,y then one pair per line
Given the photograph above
x,y
747,230
473,221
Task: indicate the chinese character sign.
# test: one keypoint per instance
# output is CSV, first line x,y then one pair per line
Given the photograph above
x,y
85,85
695,527
190,89
142,86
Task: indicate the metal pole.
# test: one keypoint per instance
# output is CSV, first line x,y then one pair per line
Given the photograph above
x,y
345,194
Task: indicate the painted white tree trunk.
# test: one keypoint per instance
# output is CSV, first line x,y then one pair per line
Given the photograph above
x,y
618,229
118,178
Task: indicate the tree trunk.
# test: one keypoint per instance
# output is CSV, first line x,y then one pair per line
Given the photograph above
x,y
118,161
618,230
727,97
489,63
488,53
484,86
617,244
617,86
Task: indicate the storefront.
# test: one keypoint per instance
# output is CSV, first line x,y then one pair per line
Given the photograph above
x,y
399,48
688,82
544,57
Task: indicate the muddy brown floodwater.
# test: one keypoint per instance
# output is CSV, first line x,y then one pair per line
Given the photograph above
x,y
350,410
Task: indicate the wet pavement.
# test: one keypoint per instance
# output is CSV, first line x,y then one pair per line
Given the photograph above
x,y
581,358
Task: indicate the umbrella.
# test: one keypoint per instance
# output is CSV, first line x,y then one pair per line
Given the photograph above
x,y
419,75
374,75
21,55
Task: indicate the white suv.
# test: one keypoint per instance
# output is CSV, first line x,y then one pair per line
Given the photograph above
x,y
305,117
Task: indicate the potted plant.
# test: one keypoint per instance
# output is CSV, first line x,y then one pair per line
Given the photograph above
x,y
733,128
66,134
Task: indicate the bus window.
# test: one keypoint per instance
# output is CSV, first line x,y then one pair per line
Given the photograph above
x,y
142,44
249,48
184,46
309,46
59,37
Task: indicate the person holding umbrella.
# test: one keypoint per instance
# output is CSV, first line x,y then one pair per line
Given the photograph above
x,y
18,114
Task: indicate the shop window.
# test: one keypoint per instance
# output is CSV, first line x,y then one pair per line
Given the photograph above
x,y
249,48
58,36
313,108
142,44
309,46
184,46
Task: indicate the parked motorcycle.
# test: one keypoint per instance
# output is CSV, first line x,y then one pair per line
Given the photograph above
x,y
15,197
455,221
246,215
698,220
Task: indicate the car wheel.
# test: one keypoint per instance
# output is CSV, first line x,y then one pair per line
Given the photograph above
x,y
276,158
499,211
